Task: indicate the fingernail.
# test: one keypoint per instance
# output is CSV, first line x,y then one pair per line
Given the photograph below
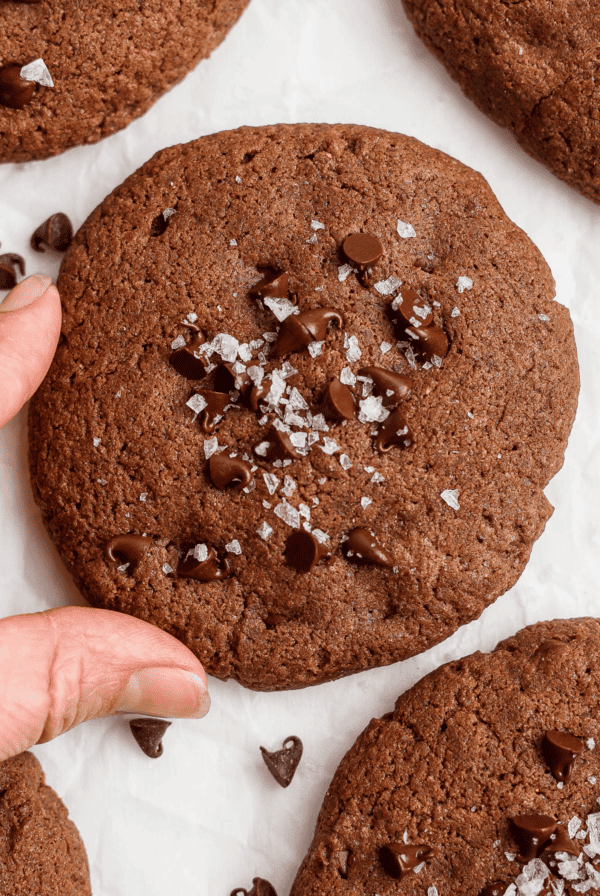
x,y
26,292
172,693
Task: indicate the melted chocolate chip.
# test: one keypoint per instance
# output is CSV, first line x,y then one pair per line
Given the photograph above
x,y
560,750
362,250
558,842
299,330
229,472
317,320
363,546
214,410
129,549
280,446
303,551
393,431
56,232
495,889
9,262
15,91
226,380
208,570
531,832
412,310
260,887
257,393
431,342
188,361
283,763
149,734
338,402
393,387
273,286
397,859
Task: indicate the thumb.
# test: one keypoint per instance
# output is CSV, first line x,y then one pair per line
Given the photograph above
x,y
29,329
65,666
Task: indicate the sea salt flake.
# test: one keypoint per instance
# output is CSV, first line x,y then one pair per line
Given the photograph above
x,y
304,510
372,410
315,348
226,346
233,547
168,213
288,514
591,779
210,447
101,481
277,390
264,530
411,357
238,179
37,71
510,856
496,844
432,891
281,308
167,569
250,488
197,403
319,424
288,486
312,239
297,401
406,231
266,504
385,347
329,446
287,369
455,312
364,502
450,496
464,283
199,552
245,352
298,440
124,566
574,826
316,225
353,352
179,342
344,271
590,743
345,461
593,826
271,481
321,536
270,336
143,496
347,377
96,442
233,242
543,317
377,477
560,785
312,438
387,287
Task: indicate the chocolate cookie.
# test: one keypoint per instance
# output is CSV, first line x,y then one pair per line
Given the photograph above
x,y
483,781
41,852
302,455
533,67
92,67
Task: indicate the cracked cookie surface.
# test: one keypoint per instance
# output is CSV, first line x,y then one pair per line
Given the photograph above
x,y
327,544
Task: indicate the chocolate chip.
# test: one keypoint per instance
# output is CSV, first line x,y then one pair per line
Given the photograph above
x,y
280,446
216,402
8,274
56,232
393,431
149,735
560,750
260,887
496,889
208,570
188,361
229,472
397,859
317,320
362,250
226,380
299,330
283,763
531,833
273,286
15,91
561,843
412,310
129,549
257,393
338,402
363,546
303,551
393,387
431,342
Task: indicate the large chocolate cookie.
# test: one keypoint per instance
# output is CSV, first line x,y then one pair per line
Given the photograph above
x,y
533,66
483,781
108,63
41,852
377,500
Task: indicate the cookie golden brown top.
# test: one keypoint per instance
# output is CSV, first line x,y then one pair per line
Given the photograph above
x,y
483,781
241,441
107,64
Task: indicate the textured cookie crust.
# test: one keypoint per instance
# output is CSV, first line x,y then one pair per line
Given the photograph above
x,y
109,63
491,423
457,758
41,852
532,66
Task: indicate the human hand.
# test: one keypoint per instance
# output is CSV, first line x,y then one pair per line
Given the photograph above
x,y
64,666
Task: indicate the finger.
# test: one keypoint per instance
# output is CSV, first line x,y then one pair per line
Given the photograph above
x,y
29,329
65,666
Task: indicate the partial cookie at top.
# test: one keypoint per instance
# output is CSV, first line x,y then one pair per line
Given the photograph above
x,y
300,462
455,791
533,67
92,67
41,851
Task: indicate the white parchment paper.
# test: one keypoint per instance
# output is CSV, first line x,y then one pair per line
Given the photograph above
x,y
207,816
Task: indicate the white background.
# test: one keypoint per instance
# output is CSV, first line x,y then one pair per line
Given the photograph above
x,y
207,816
